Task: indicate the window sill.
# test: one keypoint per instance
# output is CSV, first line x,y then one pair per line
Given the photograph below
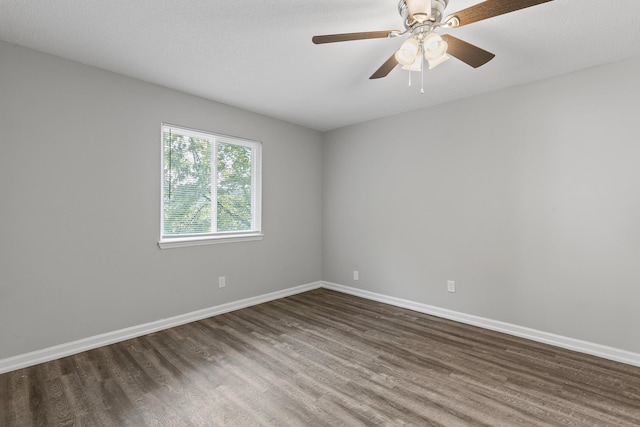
x,y
180,242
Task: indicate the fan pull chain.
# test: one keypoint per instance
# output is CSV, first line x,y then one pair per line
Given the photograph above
x,y
409,78
422,71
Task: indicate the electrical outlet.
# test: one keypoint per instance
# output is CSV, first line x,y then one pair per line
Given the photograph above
x,y
451,286
221,282
355,275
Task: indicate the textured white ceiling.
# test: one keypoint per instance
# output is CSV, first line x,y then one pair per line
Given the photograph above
x,y
258,55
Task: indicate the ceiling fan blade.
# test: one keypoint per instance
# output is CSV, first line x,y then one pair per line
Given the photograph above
x,y
332,38
385,68
466,52
490,8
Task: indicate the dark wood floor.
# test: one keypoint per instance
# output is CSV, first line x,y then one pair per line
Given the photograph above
x,y
323,358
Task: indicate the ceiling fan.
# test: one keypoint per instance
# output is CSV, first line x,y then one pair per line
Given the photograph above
x,y
421,20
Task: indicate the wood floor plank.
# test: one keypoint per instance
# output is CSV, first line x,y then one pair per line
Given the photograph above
x,y
324,358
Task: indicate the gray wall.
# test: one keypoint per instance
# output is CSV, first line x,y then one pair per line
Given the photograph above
x,y
79,213
529,198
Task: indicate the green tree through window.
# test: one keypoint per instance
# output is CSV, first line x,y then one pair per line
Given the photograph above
x,y
193,184
187,184
234,187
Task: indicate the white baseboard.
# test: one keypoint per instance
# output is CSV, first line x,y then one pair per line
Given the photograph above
x,y
586,347
74,347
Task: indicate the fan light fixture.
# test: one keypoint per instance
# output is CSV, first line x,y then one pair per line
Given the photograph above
x,y
434,48
408,52
415,65
416,49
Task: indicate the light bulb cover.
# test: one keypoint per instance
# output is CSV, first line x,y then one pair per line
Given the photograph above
x,y
407,53
415,66
434,47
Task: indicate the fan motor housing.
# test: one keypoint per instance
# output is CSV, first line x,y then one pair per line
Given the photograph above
x,y
435,14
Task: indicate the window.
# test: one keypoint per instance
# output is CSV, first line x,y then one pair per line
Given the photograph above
x,y
211,188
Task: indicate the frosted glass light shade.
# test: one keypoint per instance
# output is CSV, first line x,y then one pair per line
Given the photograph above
x,y
407,53
416,66
434,47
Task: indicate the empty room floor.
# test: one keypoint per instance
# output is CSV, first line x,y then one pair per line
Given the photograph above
x,y
323,358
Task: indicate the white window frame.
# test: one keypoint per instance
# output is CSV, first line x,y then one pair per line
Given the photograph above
x,y
175,241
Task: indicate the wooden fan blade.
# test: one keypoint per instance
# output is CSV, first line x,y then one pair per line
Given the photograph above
x,y
466,52
332,38
490,8
385,68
